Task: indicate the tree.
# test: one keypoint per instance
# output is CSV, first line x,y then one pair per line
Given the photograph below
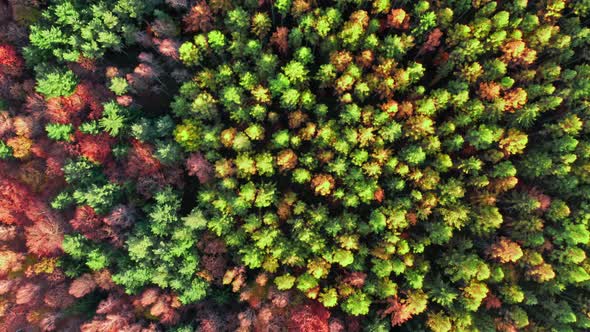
x,y
11,63
506,251
57,83
45,236
199,18
310,317
82,286
199,166
357,304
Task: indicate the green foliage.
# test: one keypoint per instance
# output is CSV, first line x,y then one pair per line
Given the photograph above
x,y
56,83
427,161
5,151
119,85
113,118
285,281
59,132
357,304
172,260
71,28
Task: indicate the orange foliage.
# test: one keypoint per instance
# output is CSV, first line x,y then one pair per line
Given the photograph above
x,y
516,52
399,19
489,90
505,251
515,99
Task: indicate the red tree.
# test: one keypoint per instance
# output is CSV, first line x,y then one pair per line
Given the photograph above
x,y
82,286
280,39
309,318
141,161
44,238
199,18
10,62
95,147
197,165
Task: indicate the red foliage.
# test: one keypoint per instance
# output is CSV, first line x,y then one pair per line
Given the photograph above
x,y
111,323
16,202
147,185
10,62
44,238
125,100
118,313
399,311
7,233
279,299
505,250
489,90
336,325
29,293
121,216
82,286
515,99
111,304
214,265
14,319
210,322
145,74
199,18
5,123
95,147
168,47
197,165
210,244
87,64
85,221
34,103
93,96
492,301
49,321
353,324
149,296
280,40
516,52
433,41
58,297
140,160
441,57
503,326
165,309
309,318
87,96
544,200
59,110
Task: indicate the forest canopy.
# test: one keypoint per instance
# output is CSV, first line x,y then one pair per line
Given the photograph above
x,y
294,165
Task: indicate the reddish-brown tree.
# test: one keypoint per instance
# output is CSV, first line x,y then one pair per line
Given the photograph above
x,y
280,40
10,62
200,18
312,317
198,166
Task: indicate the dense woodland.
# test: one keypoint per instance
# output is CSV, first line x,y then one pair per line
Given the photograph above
x,y
295,165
